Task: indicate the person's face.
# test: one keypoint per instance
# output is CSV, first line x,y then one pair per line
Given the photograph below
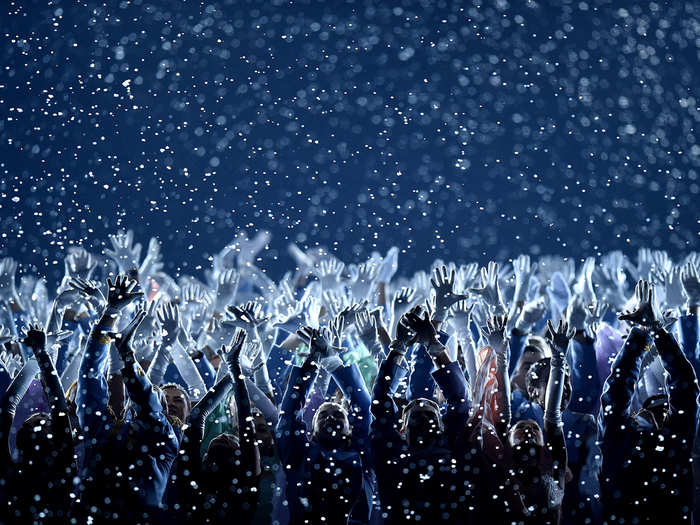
x,y
525,434
423,425
331,424
35,435
524,363
656,415
538,391
526,442
527,359
264,435
177,403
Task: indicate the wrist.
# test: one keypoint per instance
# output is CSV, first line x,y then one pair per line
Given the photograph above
x,y
435,347
442,359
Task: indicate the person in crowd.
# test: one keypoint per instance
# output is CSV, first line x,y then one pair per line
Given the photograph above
x,y
231,397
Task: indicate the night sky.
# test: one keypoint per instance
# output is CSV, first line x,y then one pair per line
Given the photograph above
x,y
459,130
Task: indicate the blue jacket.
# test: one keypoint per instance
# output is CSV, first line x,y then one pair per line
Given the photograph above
x,y
430,485
321,483
646,472
126,461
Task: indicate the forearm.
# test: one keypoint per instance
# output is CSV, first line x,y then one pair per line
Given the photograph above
x,y
157,367
555,391
681,380
12,398
51,382
138,386
262,378
619,387
503,395
209,402
95,355
188,371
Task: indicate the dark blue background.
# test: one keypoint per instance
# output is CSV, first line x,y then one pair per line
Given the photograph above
x,y
464,131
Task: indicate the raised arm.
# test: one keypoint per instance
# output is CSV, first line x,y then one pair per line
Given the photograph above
x,y
681,382
291,431
10,401
92,396
249,454
553,425
495,336
618,389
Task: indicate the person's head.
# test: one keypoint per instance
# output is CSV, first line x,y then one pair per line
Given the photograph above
x,y
421,423
221,455
535,350
331,426
34,443
536,383
222,463
264,434
526,441
655,410
178,401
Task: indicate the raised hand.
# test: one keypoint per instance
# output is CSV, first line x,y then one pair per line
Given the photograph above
x,y
335,329
559,338
334,302
466,275
34,338
530,314
489,291
8,270
523,270
153,262
366,325
80,263
495,333
5,335
249,248
388,266
584,285
596,312
329,273
349,313
662,262
443,284
232,355
121,292
168,316
226,288
671,279
645,313
611,278
89,290
461,315
422,327
248,317
691,283
122,340
645,263
421,284
124,252
363,280
401,303
576,312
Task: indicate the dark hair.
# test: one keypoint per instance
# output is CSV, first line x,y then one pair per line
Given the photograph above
x,y
415,402
537,344
654,400
181,389
538,373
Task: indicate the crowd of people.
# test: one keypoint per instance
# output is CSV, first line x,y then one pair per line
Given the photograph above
x,y
527,392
